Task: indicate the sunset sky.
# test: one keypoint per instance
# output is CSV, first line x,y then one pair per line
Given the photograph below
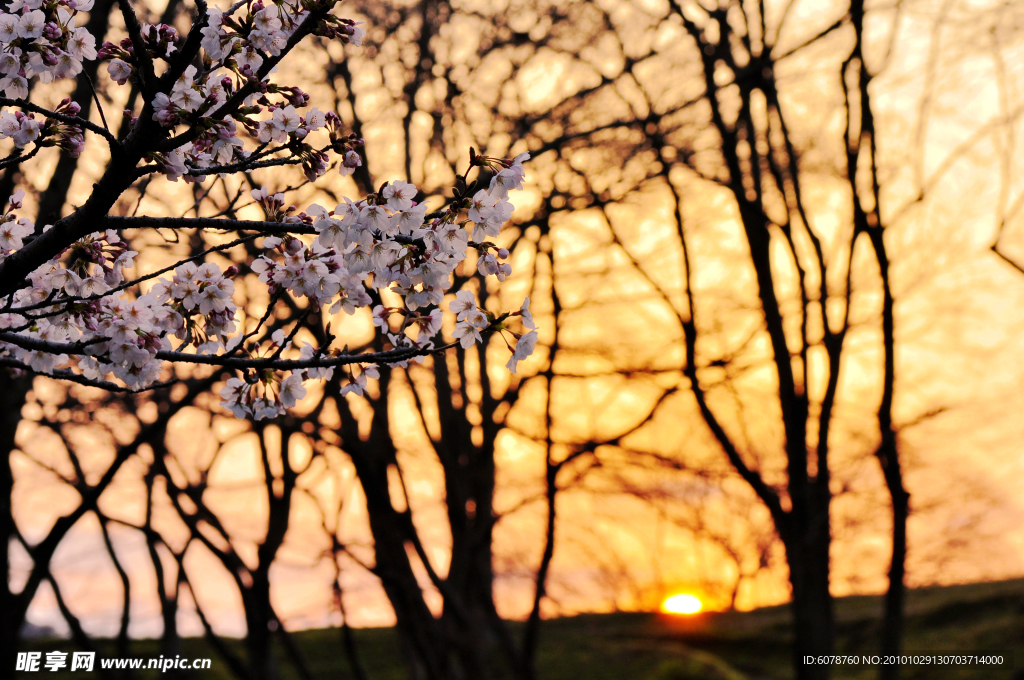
x,y
630,533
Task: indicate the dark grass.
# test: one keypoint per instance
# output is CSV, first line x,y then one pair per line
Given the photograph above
x,y
968,619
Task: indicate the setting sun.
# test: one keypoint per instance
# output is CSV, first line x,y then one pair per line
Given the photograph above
x,y
681,604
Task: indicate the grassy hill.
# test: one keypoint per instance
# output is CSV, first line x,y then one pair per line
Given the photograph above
x,y
983,617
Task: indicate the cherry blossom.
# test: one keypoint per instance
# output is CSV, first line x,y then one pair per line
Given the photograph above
x,y
73,305
524,348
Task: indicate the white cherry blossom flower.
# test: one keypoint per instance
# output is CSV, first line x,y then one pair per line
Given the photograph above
x,y
482,206
527,317
400,195
430,325
266,19
15,87
463,303
82,45
187,98
8,28
119,71
524,348
332,232
67,66
477,319
249,57
412,219
467,334
9,124
30,25
375,217
350,162
27,132
291,390
451,238
315,119
10,62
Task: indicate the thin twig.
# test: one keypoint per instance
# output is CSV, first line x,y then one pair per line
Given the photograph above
x,y
96,98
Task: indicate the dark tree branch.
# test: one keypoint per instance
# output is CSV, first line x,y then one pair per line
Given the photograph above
x,y
63,118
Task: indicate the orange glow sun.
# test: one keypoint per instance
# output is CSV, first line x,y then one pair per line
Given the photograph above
x,y
681,604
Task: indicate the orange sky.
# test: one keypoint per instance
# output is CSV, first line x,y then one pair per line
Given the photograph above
x,y
959,321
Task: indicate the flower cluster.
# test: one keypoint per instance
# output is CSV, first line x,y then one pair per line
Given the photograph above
x,y
490,208
78,317
160,42
262,398
472,319
385,241
14,229
22,128
196,305
382,242
25,129
266,394
235,49
525,342
66,301
313,272
76,298
39,39
116,334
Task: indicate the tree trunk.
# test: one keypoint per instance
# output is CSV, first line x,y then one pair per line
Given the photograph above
x,y
889,458
814,620
426,652
892,617
426,649
469,494
12,397
257,636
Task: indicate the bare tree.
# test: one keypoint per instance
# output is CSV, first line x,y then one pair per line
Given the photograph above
x,y
772,283
702,125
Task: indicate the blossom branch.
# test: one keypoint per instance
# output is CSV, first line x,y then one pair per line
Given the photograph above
x,y
230,106
18,159
129,284
61,288
203,223
247,164
344,359
242,363
147,76
49,346
71,376
61,117
189,50
264,228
